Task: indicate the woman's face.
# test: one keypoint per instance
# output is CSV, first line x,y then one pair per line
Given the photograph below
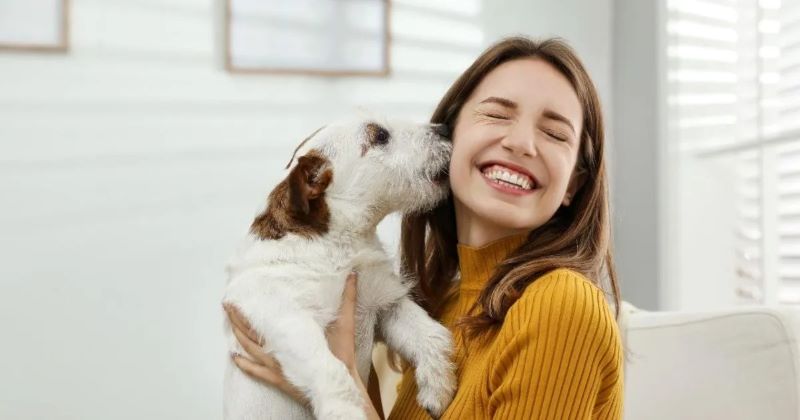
x,y
515,144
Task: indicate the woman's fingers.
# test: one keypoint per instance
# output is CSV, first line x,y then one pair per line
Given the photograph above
x,y
258,371
263,367
240,321
269,376
255,351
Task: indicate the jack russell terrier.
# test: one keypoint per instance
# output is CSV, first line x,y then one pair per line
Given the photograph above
x,y
288,277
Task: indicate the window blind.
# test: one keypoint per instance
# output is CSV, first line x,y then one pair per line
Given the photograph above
x,y
781,55
789,222
734,90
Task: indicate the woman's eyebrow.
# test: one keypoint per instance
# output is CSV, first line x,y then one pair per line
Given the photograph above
x,y
508,103
552,115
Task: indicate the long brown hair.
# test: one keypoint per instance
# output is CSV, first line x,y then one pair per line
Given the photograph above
x,y
576,237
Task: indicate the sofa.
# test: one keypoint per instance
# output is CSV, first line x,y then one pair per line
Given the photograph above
x,y
734,364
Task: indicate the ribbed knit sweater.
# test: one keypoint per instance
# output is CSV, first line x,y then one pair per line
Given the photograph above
x,y
557,355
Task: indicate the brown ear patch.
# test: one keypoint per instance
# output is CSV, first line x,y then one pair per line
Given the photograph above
x,y
297,204
307,184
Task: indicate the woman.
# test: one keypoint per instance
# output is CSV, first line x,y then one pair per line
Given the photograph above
x,y
512,263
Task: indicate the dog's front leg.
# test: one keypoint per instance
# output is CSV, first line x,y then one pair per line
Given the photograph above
x,y
408,330
298,342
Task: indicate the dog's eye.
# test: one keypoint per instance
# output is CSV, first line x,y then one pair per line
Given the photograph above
x,y
381,136
377,135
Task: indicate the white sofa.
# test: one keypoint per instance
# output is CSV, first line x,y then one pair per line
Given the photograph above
x,y
737,364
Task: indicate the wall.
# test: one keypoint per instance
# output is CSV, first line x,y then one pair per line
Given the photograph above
x,y
130,167
637,151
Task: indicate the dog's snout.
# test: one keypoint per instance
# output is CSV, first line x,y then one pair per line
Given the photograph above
x,y
441,129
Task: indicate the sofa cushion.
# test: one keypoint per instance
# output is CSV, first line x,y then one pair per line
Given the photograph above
x,y
732,365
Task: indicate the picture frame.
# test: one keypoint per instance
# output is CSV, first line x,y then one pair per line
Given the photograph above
x,y
34,25
308,37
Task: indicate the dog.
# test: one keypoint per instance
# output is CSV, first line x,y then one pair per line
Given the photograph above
x,y
320,224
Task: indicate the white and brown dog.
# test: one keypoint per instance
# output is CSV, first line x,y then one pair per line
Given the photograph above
x,y
288,277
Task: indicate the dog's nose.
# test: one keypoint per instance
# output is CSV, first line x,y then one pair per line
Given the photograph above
x,y
441,129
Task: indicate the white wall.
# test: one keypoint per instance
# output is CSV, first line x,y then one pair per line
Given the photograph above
x,y
130,166
636,149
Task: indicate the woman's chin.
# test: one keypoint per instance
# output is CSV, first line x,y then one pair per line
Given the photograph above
x,y
507,218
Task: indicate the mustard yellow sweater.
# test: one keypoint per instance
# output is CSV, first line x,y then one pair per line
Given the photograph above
x,y
557,355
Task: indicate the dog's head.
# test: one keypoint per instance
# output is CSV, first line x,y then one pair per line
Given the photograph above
x,y
361,170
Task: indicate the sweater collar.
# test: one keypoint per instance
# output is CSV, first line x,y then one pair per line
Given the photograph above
x,y
477,264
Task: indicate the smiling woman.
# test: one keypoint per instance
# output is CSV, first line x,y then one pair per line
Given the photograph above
x,y
516,274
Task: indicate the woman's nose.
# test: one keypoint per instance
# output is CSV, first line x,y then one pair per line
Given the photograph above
x,y
520,142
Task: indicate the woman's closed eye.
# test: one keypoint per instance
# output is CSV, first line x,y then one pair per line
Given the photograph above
x,y
555,135
494,115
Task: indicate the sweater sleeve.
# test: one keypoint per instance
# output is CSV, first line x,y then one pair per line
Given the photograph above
x,y
562,354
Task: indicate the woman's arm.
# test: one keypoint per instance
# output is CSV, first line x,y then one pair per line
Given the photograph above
x,y
341,340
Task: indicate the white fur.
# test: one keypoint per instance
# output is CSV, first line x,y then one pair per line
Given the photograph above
x,y
290,289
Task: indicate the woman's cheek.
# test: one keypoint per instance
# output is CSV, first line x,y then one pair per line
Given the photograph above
x,y
460,163
558,167
456,171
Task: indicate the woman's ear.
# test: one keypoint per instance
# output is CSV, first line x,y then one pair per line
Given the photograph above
x,y
575,183
308,181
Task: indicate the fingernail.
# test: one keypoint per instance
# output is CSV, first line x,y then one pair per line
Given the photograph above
x,y
234,354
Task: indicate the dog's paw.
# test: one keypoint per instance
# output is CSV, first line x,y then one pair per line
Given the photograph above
x,y
432,403
436,392
432,414
341,411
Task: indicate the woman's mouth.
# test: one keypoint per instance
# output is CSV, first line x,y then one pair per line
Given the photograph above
x,y
509,180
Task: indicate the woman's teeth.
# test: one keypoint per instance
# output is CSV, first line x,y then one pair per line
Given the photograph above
x,y
506,176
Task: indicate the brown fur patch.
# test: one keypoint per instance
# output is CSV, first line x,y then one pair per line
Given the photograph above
x,y
297,204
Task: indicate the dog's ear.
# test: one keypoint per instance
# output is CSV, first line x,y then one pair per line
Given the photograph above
x,y
297,204
308,181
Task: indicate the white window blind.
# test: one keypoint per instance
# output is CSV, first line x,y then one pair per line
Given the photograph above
x,y
734,94
789,221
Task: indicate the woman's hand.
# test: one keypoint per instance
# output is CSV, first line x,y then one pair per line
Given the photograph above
x,y
260,366
341,341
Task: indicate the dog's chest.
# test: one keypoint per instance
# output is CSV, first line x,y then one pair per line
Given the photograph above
x,y
313,273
